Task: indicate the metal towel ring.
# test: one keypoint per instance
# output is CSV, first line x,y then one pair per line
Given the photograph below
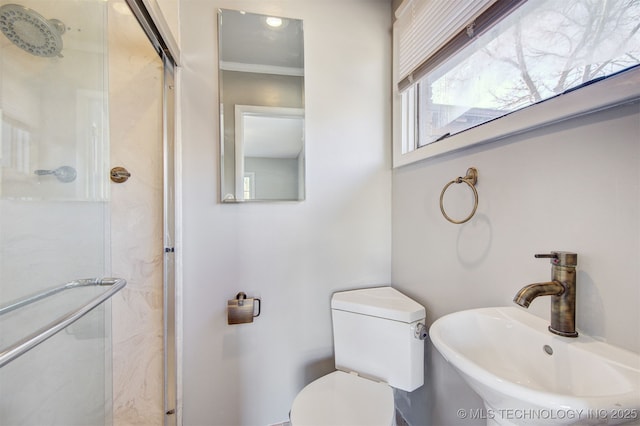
x,y
470,179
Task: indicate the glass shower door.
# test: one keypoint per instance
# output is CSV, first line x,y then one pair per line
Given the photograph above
x,y
54,216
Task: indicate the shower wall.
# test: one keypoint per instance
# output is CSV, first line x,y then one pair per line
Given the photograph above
x,y
135,107
65,381
54,109
52,114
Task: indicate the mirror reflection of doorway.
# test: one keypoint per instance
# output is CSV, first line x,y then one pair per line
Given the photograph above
x,y
269,153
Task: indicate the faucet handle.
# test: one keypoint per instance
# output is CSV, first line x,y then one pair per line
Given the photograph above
x,y
546,256
561,258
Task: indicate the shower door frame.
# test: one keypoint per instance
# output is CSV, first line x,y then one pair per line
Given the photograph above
x,y
155,27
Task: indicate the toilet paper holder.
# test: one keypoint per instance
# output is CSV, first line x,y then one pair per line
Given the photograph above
x,y
242,309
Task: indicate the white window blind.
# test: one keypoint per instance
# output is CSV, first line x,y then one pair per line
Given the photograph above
x,y
424,26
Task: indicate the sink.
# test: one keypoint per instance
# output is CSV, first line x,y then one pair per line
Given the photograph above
x,y
526,375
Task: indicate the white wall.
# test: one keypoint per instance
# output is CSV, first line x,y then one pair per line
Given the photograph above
x,y
573,186
292,255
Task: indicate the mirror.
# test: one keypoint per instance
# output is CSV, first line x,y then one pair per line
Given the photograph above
x,y
261,86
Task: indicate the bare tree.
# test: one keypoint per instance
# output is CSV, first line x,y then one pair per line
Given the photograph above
x,y
565,44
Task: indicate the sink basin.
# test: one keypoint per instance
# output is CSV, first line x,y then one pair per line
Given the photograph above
x,y
526,375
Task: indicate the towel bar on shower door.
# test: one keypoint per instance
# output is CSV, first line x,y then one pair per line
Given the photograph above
x,y
29,342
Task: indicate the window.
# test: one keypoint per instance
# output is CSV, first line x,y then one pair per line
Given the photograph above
x,y
15,148
249,186
525,54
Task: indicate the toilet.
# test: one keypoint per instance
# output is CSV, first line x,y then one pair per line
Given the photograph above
x,y
378,342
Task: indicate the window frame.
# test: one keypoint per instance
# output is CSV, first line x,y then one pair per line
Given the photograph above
x,y
616,89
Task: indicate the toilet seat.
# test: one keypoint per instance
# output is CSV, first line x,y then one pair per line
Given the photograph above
x,y
341,398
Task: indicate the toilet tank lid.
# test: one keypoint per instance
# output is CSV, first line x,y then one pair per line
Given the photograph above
x,y
382,302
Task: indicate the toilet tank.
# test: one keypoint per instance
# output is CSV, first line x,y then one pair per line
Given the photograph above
x,y
374,335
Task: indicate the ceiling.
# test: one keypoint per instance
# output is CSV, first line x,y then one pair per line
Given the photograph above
x,y
273,137
245,38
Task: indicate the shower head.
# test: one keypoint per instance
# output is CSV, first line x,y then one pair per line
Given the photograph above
x,y
30,31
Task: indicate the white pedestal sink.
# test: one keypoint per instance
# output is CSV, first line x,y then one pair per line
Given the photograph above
x,y
526,375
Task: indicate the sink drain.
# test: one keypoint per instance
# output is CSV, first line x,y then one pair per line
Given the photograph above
x,y
548,349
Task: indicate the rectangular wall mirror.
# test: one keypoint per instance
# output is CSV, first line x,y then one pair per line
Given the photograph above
x,y
261,87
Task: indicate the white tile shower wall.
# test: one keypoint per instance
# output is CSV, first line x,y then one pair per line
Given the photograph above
x,y
292,255
39,249
572,186
61,381
135,98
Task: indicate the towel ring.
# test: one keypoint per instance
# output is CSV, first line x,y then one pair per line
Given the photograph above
x,y
470,179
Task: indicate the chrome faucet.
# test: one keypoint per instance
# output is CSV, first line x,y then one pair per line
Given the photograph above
x,y
561,288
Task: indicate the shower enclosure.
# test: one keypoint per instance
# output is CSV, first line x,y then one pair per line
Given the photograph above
x,y
56,213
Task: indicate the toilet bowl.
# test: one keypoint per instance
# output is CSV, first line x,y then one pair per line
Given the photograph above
x,y
378,338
